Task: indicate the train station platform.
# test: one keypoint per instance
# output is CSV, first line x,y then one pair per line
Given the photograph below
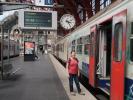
x,y
43,79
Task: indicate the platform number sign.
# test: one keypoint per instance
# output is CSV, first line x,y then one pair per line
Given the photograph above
x,y
44,2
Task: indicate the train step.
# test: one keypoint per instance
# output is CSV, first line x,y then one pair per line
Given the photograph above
x,y
108,86
104,78
107,91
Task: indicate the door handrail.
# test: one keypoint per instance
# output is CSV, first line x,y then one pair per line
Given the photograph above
x,y
99,69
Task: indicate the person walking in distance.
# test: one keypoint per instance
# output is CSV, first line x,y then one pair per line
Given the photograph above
x,y
73,71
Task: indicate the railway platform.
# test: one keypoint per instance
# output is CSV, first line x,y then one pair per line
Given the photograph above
x,y
43,79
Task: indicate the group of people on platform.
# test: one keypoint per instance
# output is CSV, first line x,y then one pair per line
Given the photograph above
x,y
42,51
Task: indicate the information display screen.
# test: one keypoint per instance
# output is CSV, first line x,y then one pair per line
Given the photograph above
x,y
37,19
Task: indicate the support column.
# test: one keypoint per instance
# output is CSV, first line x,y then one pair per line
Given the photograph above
x,y
45,39
8,46
2,44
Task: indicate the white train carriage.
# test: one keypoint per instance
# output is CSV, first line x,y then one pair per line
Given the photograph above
x,y
62,50
79,42
108,63
14,48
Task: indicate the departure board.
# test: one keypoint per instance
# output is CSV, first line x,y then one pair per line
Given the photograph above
x,y
37,19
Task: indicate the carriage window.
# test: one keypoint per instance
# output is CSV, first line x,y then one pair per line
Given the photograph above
x,y
80,41
131,49
132,28
87,39
118,41
73,42
86,49
73,48
79,49
92,48
63,47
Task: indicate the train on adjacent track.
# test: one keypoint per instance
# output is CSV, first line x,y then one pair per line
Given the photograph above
x,y
13,51
104,47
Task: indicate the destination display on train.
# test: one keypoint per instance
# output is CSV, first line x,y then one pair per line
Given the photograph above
x,y
37,19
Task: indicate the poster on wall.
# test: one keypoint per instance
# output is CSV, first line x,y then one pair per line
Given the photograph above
x,y
29,47
29,51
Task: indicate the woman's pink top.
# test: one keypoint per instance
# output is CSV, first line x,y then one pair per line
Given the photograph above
x,y
73,66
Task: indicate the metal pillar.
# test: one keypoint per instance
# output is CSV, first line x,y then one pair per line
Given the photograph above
x,y
8,46
45,40
38,44
2,44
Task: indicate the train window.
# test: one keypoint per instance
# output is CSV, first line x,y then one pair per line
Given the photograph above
x,y
118,41
87,39
92,48
80,41
86,49
73,48
79,49
73,42
131,49
132,28
59,47
63,47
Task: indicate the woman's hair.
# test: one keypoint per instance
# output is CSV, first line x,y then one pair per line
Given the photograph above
x,y
72,51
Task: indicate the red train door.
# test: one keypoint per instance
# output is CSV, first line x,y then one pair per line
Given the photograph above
x,y
118,56
92,59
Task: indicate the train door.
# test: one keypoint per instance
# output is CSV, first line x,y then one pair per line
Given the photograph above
x,y
104,61
93,56
102,54
118,56
0,50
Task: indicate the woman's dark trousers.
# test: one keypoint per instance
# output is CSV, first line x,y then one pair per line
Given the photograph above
x,y
74,77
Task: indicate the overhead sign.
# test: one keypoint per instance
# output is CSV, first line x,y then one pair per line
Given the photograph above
x,y
37,19
44,2
29,19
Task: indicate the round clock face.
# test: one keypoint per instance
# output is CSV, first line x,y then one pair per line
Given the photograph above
x,y
67,21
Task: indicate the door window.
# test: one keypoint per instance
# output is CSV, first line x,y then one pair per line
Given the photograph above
x,y
92,41
131,49
118,30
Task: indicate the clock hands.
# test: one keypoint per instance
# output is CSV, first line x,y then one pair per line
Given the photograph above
x,y
68,22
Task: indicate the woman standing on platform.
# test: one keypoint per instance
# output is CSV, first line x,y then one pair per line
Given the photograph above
x,y
73,70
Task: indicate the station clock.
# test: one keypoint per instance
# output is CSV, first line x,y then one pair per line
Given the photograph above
x,y
67,21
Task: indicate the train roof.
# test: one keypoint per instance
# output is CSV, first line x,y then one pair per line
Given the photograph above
x,y
103,11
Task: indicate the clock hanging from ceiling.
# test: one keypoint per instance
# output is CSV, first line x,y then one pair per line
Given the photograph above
x,y
67,21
